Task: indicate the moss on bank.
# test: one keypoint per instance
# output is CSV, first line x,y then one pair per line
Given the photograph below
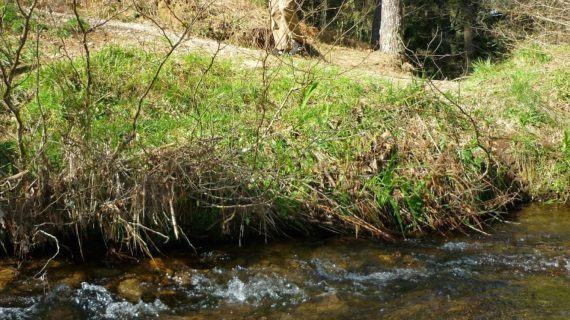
x,y
223,149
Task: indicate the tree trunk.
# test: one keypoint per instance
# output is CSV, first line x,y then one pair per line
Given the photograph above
x,y
375,39
468,33
324,14
391,27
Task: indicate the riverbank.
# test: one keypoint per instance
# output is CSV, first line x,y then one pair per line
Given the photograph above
x,y
138,151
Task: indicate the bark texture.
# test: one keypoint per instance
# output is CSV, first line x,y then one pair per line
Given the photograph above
x,y
391,27
285,23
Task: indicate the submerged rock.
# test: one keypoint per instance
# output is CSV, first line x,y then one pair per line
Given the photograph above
x,y
74,280
388,259
130,289
330,305
182,278
7,275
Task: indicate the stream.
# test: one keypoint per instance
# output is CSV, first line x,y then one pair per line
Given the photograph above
x,y
520,271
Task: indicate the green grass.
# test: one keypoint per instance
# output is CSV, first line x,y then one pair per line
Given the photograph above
x,y
7,155
317,118
226,101
13,21
10,17
70,27
528,95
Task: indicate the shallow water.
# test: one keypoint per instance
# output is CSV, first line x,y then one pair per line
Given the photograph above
x,y
521,271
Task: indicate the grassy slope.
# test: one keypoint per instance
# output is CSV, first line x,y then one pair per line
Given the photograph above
x,y
525,102
319,147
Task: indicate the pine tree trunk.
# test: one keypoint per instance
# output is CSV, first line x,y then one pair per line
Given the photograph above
x,y
391,27
375,39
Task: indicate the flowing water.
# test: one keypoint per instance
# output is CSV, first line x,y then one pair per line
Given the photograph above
x,y
520,271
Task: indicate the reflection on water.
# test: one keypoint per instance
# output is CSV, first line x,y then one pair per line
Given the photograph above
x,y
522,271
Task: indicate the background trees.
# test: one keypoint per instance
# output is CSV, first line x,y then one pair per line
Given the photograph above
x,y
441,37
375,36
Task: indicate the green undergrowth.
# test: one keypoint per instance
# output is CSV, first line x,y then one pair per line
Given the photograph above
x,y
221,148
526,102
13,22
70,27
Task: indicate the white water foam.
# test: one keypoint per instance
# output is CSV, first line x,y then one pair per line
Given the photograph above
x,y
99,303
15,313
245,287
259,288
332,272
459,246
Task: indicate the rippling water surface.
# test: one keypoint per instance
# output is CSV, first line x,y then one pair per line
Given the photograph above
x,y
520,271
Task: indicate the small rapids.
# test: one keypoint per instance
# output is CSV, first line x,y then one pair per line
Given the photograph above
x,y
521,271
256,289
90,301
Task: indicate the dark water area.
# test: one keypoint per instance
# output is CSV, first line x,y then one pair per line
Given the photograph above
x,y
520,271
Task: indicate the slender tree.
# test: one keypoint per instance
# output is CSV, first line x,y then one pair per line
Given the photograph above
x,y
391,27
375,39
469,9
324,12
